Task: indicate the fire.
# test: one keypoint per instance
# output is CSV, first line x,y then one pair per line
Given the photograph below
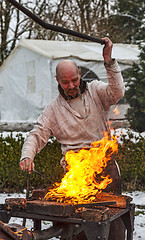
x,y
116,111
84,178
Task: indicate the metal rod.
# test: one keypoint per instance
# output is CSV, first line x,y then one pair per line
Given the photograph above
x,y
27,197
49,233
103,203
28,189
53,27
43,176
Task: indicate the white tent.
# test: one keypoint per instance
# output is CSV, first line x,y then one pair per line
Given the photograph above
x,y
27,77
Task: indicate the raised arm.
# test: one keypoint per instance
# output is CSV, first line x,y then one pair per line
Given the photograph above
x,y
112,91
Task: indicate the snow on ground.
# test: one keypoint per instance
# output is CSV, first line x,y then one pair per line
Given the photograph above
x,y
14,134
138,200
117,132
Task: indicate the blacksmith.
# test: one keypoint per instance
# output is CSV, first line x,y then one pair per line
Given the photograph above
x,y
78,117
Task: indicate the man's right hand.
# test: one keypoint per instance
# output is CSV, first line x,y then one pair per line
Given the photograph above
x,y
27,164
107,50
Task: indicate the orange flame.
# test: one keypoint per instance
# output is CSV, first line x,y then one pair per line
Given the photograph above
x,y
80,184
116,111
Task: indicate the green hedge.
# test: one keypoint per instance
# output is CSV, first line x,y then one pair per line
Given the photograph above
x,y
12,179
130,157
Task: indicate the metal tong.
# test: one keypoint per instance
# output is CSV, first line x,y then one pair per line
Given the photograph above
x,y
35,171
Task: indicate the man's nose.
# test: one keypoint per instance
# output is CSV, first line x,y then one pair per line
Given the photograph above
x,y
71,85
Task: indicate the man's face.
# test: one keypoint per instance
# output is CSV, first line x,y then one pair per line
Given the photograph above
x,y
70,81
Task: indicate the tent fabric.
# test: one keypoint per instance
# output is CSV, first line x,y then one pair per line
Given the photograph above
x,y
27,77
124,53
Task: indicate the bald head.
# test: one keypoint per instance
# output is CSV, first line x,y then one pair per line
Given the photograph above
x,y
65,67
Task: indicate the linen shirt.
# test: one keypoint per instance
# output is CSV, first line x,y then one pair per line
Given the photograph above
x,y
72,130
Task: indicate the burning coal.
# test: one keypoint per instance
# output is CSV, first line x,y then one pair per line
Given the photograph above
x,y
81,184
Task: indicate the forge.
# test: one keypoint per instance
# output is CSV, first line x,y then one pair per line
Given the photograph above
x,y
78,208
69,221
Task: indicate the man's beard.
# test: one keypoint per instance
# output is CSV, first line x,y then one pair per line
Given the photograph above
x,y
73,95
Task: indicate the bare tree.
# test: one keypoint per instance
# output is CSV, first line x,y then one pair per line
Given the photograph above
x,y
11,28
15,25
82,15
